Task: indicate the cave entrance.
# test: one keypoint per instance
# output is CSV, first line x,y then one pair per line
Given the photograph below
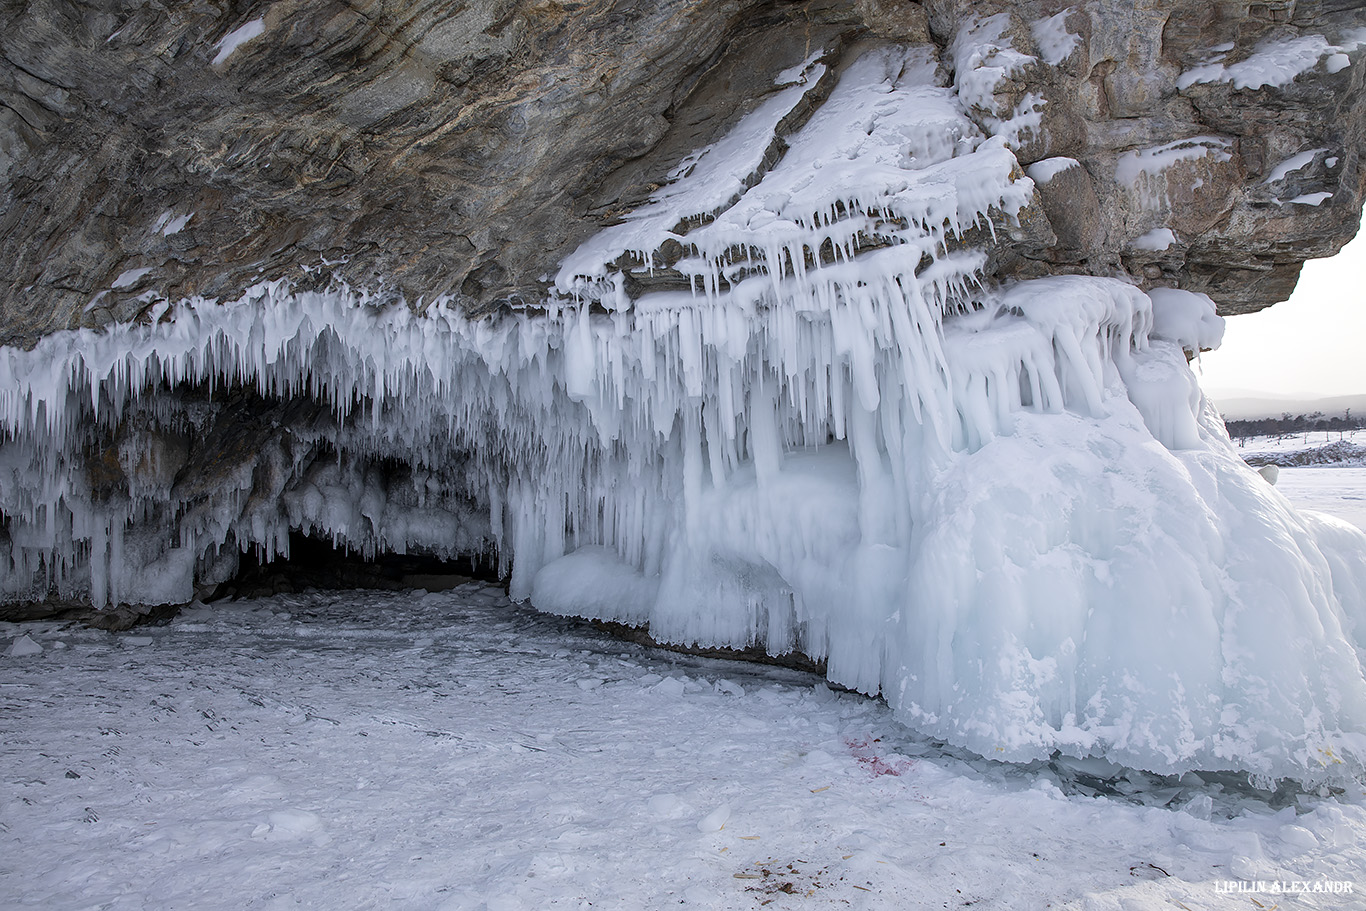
x,y
318,564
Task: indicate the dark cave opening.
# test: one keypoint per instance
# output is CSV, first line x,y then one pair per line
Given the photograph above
x,y
318,564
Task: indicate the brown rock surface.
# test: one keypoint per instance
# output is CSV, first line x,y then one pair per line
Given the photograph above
x,y
464,148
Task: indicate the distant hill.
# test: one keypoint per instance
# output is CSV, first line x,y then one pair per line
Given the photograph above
x,y
1252,406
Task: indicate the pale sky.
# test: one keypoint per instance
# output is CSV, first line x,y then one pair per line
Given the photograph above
x,y
1313,345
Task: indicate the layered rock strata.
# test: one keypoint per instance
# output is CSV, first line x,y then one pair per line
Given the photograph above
x,y
464,149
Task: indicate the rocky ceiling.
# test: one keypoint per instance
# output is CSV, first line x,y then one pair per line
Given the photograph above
x,y
463,148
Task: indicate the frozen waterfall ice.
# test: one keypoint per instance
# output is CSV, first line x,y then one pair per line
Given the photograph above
x,y
778,405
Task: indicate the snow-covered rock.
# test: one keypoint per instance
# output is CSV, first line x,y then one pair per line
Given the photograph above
x,y
464,149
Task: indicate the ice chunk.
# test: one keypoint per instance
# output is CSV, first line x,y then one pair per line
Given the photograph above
x,y
23,647
715,820
1166,394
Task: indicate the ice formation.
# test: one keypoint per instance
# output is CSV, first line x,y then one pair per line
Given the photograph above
x,y
1145,170
1277,62
1007,509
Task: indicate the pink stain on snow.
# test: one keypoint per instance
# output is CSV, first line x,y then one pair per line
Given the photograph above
x,y
865,752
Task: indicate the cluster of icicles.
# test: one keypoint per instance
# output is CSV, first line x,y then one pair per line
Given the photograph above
x,y
1008,510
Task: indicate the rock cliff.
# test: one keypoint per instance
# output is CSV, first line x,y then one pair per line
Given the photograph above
x,y
439,148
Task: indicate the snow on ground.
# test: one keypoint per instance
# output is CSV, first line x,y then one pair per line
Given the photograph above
x,y
1337,491
454,751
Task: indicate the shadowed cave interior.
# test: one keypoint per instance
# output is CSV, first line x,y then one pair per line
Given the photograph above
x,y
317,563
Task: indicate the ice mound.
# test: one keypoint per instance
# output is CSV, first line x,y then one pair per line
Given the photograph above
x,y
1007,509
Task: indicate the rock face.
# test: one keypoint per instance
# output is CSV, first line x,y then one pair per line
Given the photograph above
x,y
463,149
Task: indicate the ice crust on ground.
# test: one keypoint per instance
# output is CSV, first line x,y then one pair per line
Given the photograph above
x,y
455,752
1007,509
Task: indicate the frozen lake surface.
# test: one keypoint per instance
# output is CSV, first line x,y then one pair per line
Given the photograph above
x,y
453,751
1336,491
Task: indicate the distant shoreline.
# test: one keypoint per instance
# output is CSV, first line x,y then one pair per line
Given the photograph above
x,y
1251,406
